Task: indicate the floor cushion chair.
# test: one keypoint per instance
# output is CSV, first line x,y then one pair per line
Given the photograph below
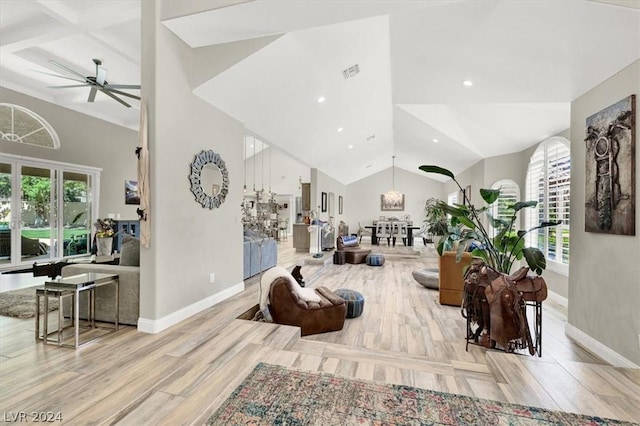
x,y
353,253
315,311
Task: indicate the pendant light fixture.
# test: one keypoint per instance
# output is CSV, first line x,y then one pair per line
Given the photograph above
x,y
254,164
244,155
393,200
270,193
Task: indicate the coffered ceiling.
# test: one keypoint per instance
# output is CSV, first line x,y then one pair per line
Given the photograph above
x,y
405,62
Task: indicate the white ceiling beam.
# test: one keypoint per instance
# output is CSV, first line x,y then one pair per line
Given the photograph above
x,y
58,11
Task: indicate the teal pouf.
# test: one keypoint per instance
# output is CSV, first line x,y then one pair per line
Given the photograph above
x,y
375,259
355,301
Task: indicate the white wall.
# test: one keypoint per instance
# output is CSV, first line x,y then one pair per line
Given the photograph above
x,y
188,242
604,274
86,141
362,202
286,171
321,182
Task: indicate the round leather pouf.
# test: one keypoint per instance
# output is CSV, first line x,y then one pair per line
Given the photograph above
x,y
375,259
355,301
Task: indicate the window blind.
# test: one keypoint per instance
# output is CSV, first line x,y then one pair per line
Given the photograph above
x,y
509,194
548,181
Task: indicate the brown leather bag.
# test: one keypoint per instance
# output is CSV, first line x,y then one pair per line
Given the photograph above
x,y
533,289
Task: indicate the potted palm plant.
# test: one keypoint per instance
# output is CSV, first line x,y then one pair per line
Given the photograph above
x,y
436,220
467,230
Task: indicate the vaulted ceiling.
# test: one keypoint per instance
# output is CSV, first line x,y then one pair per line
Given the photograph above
x,y
391,72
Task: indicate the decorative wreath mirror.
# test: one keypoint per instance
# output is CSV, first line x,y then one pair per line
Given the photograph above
x,y
209,179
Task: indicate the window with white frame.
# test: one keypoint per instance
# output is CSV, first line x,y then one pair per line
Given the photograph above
x,y
509,195
21,125
452,198
548,182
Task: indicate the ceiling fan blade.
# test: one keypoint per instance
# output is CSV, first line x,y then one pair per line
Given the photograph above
x,y
123,93
64,67
92,94
61,76
122,86
69,86
101,75
108,93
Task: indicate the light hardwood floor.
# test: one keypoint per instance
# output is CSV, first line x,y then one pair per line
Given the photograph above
x,y
183,374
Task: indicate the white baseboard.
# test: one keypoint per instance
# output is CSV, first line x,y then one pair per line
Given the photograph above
x,y
597,348
560,300
158,325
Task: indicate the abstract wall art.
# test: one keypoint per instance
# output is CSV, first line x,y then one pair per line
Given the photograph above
x,y
610,169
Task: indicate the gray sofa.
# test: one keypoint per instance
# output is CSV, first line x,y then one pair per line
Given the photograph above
x,y
253,245
129,274
129,299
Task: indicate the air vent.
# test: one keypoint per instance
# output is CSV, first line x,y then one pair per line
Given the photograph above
x,y
352,71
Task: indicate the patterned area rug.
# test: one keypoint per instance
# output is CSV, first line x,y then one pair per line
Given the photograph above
x,y
274,395
22,303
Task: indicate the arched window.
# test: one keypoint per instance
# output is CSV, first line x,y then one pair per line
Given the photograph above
x,y
509,194
548,182
18,124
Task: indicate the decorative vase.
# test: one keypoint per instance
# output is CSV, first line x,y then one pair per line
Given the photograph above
x,y
104,246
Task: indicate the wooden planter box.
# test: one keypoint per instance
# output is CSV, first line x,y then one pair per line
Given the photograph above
x,y
452,277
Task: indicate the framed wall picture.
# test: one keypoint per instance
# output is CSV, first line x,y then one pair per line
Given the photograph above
x,y
340,201
323,201
610,191
392,201
131,194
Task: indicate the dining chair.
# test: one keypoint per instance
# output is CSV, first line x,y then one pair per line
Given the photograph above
x,y
383,230
283,229
363,232
402,231
422,233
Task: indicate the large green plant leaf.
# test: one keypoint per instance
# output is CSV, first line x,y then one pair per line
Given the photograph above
x,y
521,205
481,254
436,169
453,211
535,259
467,222
489,195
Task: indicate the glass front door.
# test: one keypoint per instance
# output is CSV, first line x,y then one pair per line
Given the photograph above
x,y
46,210
6,219
36,208
76,213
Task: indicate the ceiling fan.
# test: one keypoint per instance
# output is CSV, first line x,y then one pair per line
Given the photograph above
x,y
97,82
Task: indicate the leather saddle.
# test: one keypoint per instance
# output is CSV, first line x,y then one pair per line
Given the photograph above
x,y
496,303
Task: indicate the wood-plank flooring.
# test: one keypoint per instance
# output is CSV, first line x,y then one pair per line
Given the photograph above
x,y
404,336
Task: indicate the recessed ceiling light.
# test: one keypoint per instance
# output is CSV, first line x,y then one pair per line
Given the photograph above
x,y
435,140
340,129
468,83
350,146
321,99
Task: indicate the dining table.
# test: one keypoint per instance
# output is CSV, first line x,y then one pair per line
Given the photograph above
x,y
374,238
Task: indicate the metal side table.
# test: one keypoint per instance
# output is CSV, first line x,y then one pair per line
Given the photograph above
x,y
77,284
60,295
